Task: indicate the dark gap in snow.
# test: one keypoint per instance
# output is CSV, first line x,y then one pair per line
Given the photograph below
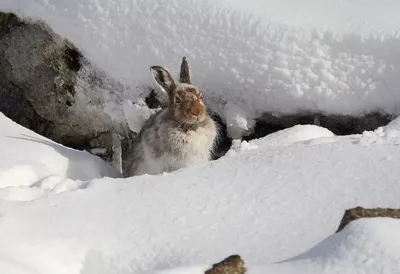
x,y
152,100
223,142
338,124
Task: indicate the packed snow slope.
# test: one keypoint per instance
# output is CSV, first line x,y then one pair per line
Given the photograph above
x,y
365,246
275,55
36,164
267,201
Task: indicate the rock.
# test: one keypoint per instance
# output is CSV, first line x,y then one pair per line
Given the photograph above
x,y
103,140
230,265
48,86
7,22
360,212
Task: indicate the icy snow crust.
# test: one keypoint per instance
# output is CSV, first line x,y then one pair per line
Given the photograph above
x,y
268,202
276,56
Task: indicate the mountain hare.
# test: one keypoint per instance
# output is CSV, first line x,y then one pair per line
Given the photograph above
x,y
178,136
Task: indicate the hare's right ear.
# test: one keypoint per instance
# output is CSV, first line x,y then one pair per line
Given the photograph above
x,y
163,78
184,76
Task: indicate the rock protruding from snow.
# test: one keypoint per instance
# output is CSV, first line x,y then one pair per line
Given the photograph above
x,y
230,265
360,212
49,87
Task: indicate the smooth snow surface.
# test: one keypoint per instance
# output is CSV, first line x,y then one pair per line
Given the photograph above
x,y
269,202
276,56
365,246
36,165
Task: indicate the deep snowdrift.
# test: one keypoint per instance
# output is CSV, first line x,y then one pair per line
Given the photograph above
x,y
365,246
266,202
276,56
36,164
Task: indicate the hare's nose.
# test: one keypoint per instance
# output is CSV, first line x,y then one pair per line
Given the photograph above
x,y
196,109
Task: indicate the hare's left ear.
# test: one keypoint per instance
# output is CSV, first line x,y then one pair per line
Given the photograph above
x,y
164,79
184,76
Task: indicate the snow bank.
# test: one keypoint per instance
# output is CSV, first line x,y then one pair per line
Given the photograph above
x,y
300,133
365,246
36,164
275,56
247,204
389,133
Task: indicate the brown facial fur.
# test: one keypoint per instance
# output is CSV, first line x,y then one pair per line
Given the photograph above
x,y
188,105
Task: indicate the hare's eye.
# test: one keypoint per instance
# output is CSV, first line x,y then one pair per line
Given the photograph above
x,y
178,100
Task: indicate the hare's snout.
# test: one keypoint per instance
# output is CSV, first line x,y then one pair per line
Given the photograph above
x,y
197,108
195,112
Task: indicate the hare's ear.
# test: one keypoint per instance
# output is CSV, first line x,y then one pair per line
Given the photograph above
x,y
184,76
163,78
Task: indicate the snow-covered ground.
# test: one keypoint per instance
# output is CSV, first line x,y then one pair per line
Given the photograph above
x,y
269,200
258,55
35,164
276,201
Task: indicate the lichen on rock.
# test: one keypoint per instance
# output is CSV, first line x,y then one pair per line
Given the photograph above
x,y
360,212
47,85
230,265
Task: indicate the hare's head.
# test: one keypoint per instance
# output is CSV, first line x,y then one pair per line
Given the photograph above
x,y
185,100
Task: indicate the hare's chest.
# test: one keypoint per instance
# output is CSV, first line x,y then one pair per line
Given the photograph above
x,y
178,149
197,144
190,147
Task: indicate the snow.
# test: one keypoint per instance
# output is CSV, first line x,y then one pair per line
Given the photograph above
x,y
261,56
276,201
389,133
300,133
37,165
137,114
360,248
237,122
270,202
